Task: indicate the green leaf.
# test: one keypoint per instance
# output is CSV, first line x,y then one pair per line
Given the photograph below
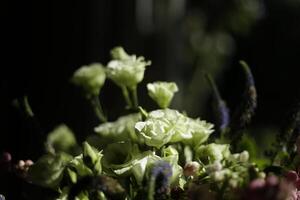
x,y
125,159
48,170
79,167
101,196
92,158
89,154
82,196
72,175
171,155
63,194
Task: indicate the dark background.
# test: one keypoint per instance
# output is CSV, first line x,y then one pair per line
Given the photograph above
x,y
43,42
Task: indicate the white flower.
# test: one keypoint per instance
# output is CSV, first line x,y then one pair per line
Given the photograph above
x,y
169,126
91,78
126,70
162,92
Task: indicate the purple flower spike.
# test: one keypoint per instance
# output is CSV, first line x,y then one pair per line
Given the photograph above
x,y
221,110
247,107
245,111
159,184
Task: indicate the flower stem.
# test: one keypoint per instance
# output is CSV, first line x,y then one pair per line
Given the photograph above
x,y
126,96
135,97
27,107
98,109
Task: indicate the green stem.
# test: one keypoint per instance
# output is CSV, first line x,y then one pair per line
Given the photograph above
x,y
126,96
27,107
135,97
98,109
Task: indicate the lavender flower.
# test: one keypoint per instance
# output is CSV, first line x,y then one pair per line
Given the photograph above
x,y
246,109
221,110
159,183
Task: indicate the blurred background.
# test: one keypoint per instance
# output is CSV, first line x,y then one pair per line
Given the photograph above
x,y
45,41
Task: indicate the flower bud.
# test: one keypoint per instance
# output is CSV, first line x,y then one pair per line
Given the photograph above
x,y
22,167
216,166
257,183
297,184
6,157
90,78
291,176
244,156
272,180
191,168
162,92
233,183
219,176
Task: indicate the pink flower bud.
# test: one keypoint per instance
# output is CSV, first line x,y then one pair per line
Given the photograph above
x,y
28,163
272,180
257,183
6,157
191,168
297,184
291,176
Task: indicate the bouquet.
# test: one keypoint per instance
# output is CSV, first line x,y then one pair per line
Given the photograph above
x,y
160,154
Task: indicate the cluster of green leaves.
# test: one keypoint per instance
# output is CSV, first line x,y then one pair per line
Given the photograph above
x,y
142,155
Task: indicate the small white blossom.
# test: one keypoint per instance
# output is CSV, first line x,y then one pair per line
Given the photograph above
x,y
244,156
126,70
162,92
